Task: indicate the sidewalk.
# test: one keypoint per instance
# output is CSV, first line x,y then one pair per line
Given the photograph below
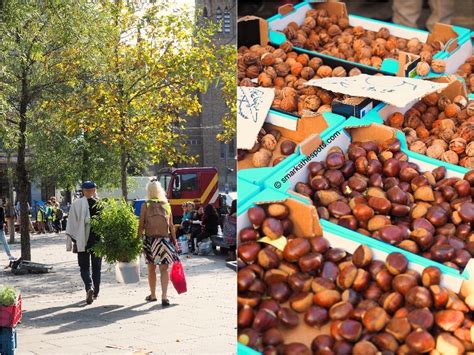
x,y
56,319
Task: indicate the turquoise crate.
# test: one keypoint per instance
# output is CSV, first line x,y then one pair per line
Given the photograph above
x,y
8,341
246,191
282,182
389,66
258,176
245,350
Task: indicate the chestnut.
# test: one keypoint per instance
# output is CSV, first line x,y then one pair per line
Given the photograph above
x,y
310,262
399,327
319,244
245,317
391,167
316,316
322,342
396,263
272,336
391,302
248,251
287,147
326,298
375,319
272,228
278,211
364,347
362,256
385,342
341,310
280,292
295,348
342,347
288,318
296,248
248,235
268,258
449,320
256,216
335,160
403,283
421,319
419,297
264,320
300,281
420,341
430,276
315,168
362,212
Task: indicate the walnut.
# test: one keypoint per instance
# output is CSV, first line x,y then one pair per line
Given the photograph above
x,y
312,44
470,108
446,134
422,68
422,132
339,72
447,124
376,62
299,84
410,132
324,108
324,71
383,32
343,23
358,31
391,44
267,59
437,141
418,147
443,101
326,96
413,42
438,66
457,145
290,32
467,162
307,73
465,68
246,82
396,120
378,49
309,22
265,80
312,102
365,61
288,104
467,132
460,101
261,158
296,68
288,92
354,71
426,56
251,58
431,99
279,53
252,72
334,30
276,102
315,63
427,118
282,69
269,142
365,53
435,151
470,149
433,110
451,110
401,43
271,72
303,59
450,157
412,120
287,46
359,44
279,82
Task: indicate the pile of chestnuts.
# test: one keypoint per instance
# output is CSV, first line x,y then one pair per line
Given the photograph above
x,y
354,304
264,148
440,128
373,189
332,35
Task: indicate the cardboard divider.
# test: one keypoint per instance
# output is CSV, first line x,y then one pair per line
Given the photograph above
x,y
251,30
286,9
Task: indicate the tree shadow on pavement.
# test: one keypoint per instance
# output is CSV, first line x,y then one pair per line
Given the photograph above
x,y
85,318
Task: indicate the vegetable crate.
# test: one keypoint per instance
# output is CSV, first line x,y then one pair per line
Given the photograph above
x,y
8,341
10,315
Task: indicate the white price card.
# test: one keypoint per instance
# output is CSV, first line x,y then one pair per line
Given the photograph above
x,y
394,90
253,104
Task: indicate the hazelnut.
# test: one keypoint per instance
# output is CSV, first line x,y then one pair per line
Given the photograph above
x,y
269,142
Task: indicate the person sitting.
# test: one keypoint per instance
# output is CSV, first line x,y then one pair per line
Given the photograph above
x,y
210,223
195,227
230,230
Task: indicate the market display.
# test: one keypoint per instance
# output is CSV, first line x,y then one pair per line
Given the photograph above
x,y
356,245
341,303
466,71
332,35
439,128
288,71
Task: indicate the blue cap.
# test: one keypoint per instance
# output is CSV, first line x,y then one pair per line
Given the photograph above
x,y
89,185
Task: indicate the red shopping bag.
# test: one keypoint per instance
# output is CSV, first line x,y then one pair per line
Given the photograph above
x,y
177,277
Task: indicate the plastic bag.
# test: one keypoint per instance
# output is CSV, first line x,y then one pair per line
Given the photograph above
x,y
177,277
205,247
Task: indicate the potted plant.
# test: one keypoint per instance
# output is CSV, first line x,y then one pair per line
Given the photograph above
x,y
117,226
10,306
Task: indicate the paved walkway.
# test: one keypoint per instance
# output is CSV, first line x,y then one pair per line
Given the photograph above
x,y
56,319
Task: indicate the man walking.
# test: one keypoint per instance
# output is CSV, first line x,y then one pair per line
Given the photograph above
x,y
79,229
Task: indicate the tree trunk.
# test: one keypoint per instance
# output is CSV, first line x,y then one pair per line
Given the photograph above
x,y
123,172
11,211
22,175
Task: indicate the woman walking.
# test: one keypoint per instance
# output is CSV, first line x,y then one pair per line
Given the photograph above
x,y
160,245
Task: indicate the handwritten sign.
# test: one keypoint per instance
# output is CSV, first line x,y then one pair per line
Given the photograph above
x,y
396,91
252,109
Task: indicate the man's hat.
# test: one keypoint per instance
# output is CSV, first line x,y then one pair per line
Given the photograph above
x,y
89,185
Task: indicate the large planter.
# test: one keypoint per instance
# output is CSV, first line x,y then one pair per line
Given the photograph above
x,y
127,273
10,315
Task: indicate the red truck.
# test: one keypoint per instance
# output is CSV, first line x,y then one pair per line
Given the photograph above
x,y
197,184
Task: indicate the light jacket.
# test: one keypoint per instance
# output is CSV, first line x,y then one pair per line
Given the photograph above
x,y
78,223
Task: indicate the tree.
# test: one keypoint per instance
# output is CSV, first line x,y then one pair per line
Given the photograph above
x,y
41,43
153,66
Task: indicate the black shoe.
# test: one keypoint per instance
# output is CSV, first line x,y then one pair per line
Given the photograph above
x,y
90,296
165,303
96,295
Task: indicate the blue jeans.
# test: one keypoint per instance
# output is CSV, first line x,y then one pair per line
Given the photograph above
x,y
86,260
3,240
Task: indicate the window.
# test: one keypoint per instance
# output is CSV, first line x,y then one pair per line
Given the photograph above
x,y
189,182
219,18
226,21
165,181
